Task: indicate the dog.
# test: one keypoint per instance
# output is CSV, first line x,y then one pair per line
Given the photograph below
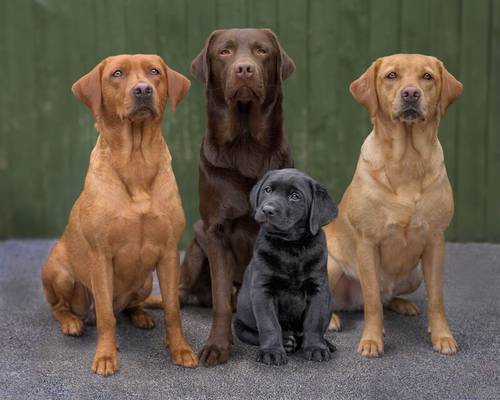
x,y
129,217
394,213
243,71
284,302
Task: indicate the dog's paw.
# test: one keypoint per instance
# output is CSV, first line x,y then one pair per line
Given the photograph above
x,y
185,357
272,357
335,323
72,326
445,345
105,363
403,306
318,353
214,354
371,347
141,319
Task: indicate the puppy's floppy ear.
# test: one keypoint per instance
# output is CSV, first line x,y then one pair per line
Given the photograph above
x,y
364,89
286,66
88,89
323,210
200,67
255,192
451,88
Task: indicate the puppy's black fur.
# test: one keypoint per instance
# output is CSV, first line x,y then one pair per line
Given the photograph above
x,y
284,303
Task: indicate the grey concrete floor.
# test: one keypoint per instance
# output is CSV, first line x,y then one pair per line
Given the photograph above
x,y
38,362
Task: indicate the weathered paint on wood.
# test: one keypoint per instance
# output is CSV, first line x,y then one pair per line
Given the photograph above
x,y
46,135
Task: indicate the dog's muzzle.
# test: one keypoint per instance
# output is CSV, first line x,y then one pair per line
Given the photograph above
x,y
410,104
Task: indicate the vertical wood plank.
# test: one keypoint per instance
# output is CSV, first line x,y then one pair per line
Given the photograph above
x,y
471,161
5,213
201,21
262,14
493,143
415,24
352,124
324,97
294,37
23,139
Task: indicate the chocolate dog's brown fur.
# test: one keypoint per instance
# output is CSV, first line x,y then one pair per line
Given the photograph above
x,y
243,70
399,203
128,219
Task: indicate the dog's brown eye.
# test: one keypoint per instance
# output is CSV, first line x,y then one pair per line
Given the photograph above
x,y
155,71
268,189
117,73
294,197
427,77
391,75
261,51
225,52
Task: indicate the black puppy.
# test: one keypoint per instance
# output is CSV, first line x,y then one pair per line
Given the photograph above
x,y
284,303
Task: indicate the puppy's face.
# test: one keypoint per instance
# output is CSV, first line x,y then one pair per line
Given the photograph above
x,y
242,65
132,87
409,88
289,203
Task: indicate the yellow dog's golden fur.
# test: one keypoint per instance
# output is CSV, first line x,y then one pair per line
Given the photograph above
x,y
399,203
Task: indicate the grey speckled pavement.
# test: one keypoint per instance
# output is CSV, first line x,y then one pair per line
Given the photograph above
x,y
38,362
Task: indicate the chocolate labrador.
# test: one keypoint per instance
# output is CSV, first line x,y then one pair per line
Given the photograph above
x,y
285,303
128,219
243,70
393,215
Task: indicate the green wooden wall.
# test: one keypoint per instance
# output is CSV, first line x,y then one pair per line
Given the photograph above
x,y
46,135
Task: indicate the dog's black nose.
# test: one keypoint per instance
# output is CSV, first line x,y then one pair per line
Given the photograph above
x,y
410,93
268,210
142,91
244,70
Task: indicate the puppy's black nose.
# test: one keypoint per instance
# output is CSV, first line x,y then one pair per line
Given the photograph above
x,y
268,210
142,91
410,93
244,70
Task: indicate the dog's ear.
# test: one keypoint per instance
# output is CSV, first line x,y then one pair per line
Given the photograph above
x,y
364,89
323,210
178,86
200,67
285,66
451,88
255,192
88,89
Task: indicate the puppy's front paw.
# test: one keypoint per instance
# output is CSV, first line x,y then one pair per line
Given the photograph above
x,y
318,353
142,319
445,345
371,346
105,363
272,357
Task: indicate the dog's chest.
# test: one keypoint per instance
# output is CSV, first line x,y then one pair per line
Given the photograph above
x,y
139,234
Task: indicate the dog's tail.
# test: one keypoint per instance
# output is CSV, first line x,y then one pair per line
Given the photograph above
x,y
154,301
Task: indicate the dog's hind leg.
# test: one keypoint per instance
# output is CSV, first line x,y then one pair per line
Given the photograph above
x,y
135,309
409,285
245,334
59,287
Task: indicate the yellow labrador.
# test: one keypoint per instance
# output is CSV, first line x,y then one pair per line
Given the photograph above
x,y
399,203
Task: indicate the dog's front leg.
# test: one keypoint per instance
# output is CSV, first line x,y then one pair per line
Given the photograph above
x,y
168,276
318,314
433,264
372,341
271,350
105,361
217,347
